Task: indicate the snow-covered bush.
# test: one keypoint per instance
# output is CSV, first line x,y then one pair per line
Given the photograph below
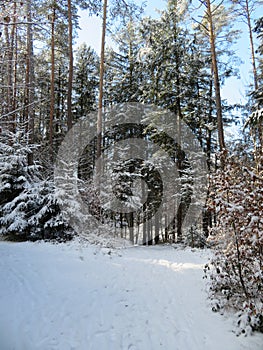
x,y
236,270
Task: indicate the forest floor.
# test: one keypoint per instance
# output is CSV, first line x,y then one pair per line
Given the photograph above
x,y
72,296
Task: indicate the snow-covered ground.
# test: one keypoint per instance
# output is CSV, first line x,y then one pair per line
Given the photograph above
x,y
75,297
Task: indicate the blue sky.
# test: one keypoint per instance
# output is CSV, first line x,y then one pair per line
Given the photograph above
x,y
91,26
234,89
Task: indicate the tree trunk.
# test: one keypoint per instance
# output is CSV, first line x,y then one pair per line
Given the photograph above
x,y
100,104
30,111
220,127
70,74
251,41
10,70
102,58
9,74
156,228
179,214
257,151
52,82
14,97
210,121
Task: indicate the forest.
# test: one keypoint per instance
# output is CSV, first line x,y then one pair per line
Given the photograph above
x,y
166,73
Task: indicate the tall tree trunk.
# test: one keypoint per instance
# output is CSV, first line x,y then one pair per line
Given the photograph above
x,y
70,74
9,73
10,77
220,127
14,73
207,215
30,111
210,122
100,104
251,41
52,82
156,228
179,116
257,150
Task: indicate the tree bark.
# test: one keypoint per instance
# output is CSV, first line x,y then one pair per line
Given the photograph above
x,y
102,58
52,82
220,126
100,103
9,76
30,111
251,41
70,75
257,150
14,96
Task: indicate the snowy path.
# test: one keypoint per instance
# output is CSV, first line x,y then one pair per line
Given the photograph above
x,y
64,297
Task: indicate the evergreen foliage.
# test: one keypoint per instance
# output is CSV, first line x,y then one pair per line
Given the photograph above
x,y
29,209
85,82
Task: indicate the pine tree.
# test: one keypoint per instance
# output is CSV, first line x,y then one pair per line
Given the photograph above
x,y
245,10
86,79
29,208
124,71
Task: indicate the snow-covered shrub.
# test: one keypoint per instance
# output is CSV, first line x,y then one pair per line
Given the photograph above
x,y
236,270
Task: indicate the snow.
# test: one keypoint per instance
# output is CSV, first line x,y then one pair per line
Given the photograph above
x,y
73,296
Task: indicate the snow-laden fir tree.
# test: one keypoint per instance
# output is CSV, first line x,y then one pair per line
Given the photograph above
x,y
29,208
